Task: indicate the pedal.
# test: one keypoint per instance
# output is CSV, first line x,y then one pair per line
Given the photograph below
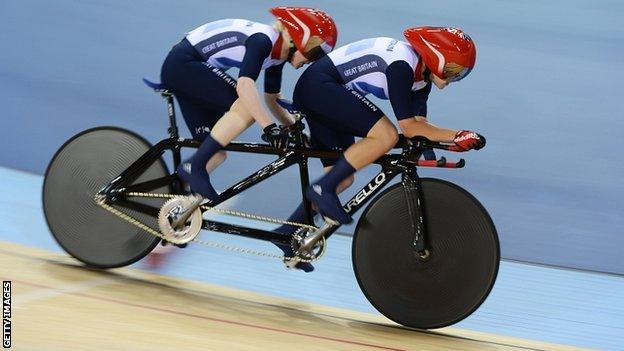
x,y
291,262
331,221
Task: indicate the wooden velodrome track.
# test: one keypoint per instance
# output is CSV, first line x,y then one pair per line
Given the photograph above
x,y
60,305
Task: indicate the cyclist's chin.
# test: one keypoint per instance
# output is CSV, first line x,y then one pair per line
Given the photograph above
x,y
438,82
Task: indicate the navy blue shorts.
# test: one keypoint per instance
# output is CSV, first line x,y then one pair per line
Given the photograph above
x,y
203,91
335,113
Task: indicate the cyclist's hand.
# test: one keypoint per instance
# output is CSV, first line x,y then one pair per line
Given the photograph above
x,y
467,140
298,130
276,136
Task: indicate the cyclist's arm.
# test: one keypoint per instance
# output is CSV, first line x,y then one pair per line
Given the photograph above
x,y
410,108
272,86
257,48
418,125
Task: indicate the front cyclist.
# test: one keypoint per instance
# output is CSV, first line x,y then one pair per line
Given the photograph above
x,y
195,72
331,94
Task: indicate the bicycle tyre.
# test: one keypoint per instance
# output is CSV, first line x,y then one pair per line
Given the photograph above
x,y
457,277
79,169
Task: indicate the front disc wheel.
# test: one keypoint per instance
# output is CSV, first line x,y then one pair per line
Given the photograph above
x,y
441,286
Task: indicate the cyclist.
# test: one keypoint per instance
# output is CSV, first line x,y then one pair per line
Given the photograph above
x,y
331,92
215,106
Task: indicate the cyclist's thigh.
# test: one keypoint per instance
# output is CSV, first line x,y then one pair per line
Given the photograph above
x,y
326,138
338,107
184,73
199,117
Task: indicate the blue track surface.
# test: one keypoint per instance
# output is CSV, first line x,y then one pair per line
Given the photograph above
x,y
532,302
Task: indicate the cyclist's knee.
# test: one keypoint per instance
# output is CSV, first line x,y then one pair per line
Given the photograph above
x,y
385,133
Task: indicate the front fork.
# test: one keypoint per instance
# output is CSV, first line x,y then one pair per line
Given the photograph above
x,y
414,196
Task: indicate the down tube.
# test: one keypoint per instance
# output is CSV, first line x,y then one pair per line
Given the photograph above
x,y
369,191
366,193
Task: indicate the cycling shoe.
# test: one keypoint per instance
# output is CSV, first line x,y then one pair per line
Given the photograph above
x,y
199,180
328,204
288,252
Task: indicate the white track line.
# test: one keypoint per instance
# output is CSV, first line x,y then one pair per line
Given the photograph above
x,y
45,293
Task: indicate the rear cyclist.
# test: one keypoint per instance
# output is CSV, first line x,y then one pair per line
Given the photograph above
x,y
215,106
331,93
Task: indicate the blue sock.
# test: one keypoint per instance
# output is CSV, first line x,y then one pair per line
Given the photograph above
x,y
341,170
297,216
208,148
196,175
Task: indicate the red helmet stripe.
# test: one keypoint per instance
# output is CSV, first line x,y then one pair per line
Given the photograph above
x,y
306,29
441,60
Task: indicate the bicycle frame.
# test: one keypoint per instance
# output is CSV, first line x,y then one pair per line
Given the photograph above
x,y
391,165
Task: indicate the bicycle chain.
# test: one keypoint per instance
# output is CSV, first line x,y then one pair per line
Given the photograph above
x,y
99,200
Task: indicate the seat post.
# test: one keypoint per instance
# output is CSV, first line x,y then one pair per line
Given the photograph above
x,y
173,126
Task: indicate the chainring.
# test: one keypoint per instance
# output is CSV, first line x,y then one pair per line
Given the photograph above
x,y
191,228
306,256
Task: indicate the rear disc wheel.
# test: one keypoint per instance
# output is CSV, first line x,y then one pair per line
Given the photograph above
x,y
80,168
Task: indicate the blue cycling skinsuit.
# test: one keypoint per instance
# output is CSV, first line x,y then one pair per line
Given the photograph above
x,y
332,94
195,68
332,91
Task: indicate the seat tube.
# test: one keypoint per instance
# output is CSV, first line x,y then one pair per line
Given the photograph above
x,y
305,183
173,128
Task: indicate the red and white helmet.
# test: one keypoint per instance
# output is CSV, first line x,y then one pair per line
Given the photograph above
x,y
448,52
313,32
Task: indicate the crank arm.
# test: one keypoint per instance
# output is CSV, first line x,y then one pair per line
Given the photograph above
x,y
184,215
307,244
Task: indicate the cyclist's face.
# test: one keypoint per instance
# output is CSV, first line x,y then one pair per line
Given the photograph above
x,y
299,60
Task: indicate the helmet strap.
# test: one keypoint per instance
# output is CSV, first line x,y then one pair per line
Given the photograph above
x,y
291,51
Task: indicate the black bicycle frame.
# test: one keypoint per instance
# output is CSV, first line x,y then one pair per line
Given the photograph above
x,y
391,165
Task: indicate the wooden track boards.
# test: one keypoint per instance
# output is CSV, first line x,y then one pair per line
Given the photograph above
x,y
59,305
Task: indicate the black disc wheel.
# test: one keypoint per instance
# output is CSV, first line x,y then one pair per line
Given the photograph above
x,y
438,290
80,169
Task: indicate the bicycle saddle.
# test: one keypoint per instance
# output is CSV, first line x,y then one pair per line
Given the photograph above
x,y
154,85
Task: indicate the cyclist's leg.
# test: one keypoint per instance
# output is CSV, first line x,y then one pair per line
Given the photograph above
x,y
322,138
210,152
203,85
200,120
232,124
214,87
185,72
347,111
379,140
